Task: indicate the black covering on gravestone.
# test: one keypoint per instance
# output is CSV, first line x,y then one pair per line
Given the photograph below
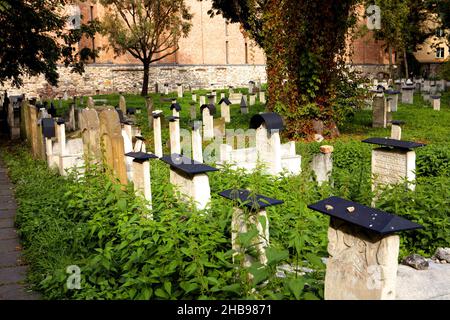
x,y
435,97
60,121
141,156
393,143
172,118
272,120
398,122
390,91
226,100
131,111
368,218
186,165
48,128
211,108
381,88
157,115
175,106
250,200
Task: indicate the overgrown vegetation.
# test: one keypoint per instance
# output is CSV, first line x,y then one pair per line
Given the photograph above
x,y
186,254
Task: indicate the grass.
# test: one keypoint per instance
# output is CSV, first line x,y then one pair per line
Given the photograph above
x,y
184,254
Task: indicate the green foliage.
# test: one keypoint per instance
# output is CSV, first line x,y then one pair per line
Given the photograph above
x,y
148,30
444,71
33,40
433,161
428,205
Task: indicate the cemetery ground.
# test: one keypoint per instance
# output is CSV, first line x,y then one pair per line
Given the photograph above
x,y
183,253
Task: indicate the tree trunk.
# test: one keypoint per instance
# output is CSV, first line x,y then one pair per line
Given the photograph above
x,y
144,91
406,63
391,67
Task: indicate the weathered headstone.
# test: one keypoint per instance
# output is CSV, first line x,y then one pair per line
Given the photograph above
x,y
436,102
208,121
180,90
252,100
363,250
197,149
190,179
244,107
251,214
174,131
408,94
262,97
193,111
379,111
202,100
393,163
90,133
141,175
396,130
157,114
112,144
225,109
322,164
393,94
149,106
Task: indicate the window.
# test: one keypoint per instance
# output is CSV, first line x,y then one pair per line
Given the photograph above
x,y
439,33
246,53
440,53
226,52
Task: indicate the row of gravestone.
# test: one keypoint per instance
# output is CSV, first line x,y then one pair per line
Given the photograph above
x,y
166,88
104,137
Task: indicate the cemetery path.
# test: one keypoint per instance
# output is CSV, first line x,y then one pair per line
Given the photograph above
x,y
12,268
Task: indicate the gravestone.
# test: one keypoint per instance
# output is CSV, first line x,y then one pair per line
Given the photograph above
x,y
194,97
393,94
180,90
157,114
379,111
363,250
149,106
225,109
174,132
193,111
262,97
112,144
208,121
393,163
235,98
197,149
436,102
122,104
191,179
243,105
408,94
396,130
219,127
322,164
202,100
90,133
90,103
141,175
252,99
250,211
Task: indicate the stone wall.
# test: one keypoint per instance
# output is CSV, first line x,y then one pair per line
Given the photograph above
x,y
108,78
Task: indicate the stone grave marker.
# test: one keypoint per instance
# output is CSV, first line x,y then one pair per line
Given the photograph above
x,y
252,100
141,175
408,94
112,144
90,133
197,149
175,138
157,114
393,94
190,178
208,112
436,102
262,97
193,110
396,129
249,211
363,250
225,109
180,90
244,107
393,162
379,111
322,164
